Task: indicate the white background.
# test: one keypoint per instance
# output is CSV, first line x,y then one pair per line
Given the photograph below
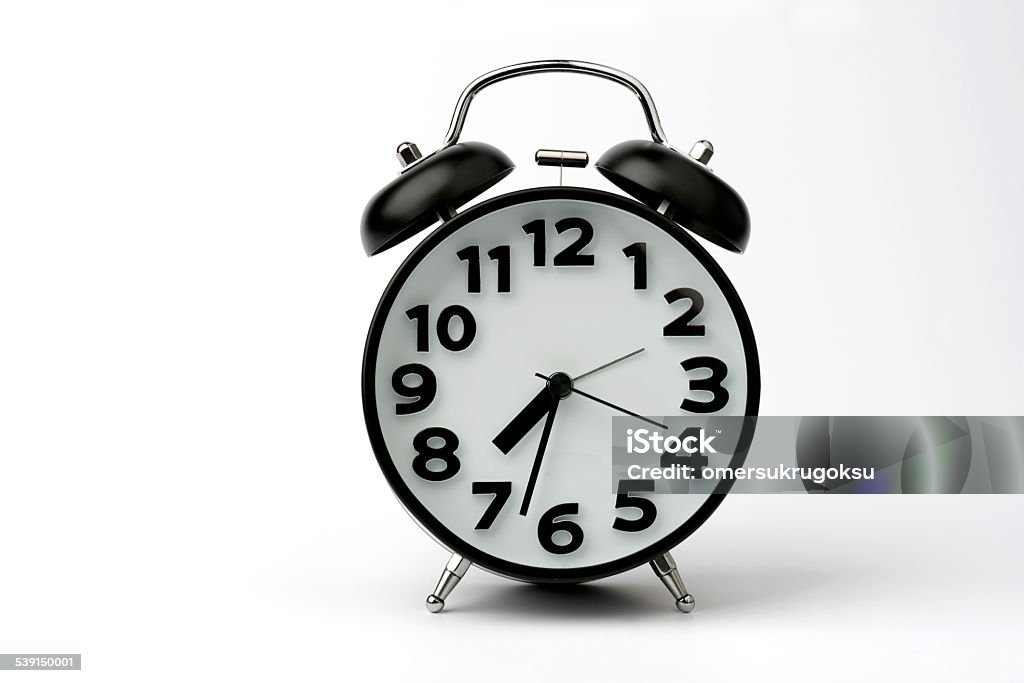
x,y
185,484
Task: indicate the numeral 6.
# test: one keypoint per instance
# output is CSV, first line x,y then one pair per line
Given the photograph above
x,y
549,525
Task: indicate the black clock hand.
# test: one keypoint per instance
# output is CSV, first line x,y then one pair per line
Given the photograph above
x,y
577,378
528,496
522,423
610,405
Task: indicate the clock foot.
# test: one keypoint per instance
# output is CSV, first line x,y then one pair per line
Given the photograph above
x,y
665,568
450,577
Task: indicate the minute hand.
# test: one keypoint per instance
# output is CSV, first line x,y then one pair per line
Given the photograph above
x,y
541,449
612,405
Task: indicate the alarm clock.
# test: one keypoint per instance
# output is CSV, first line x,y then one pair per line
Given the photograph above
x,y
514,333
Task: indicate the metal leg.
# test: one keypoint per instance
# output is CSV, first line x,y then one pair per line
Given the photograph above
x,y
665,568
453,572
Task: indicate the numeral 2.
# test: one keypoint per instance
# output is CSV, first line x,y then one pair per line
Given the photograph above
x,y
681,327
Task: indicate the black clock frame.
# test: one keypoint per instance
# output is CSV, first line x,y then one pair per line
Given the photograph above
x,y
434,526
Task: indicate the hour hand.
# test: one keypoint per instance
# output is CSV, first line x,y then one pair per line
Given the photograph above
x,y
526,420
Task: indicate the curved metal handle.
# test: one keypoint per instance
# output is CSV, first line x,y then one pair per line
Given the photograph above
x,y
554,66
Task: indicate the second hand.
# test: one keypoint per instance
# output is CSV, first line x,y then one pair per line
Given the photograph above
x,y
610,405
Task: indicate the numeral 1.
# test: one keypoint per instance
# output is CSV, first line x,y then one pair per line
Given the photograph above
x,y
638,252
536,228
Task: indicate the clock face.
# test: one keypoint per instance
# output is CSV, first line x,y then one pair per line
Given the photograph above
x,y
470,389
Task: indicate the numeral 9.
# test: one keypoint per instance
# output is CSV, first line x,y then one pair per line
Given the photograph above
x,y
423,393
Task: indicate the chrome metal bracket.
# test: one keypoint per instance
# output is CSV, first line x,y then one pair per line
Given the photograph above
x,y
665,568
450,577
555,66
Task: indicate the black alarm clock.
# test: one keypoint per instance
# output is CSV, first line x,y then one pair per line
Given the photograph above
x,y
520,326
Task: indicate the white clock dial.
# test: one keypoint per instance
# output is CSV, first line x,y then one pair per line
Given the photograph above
x,y
556,280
